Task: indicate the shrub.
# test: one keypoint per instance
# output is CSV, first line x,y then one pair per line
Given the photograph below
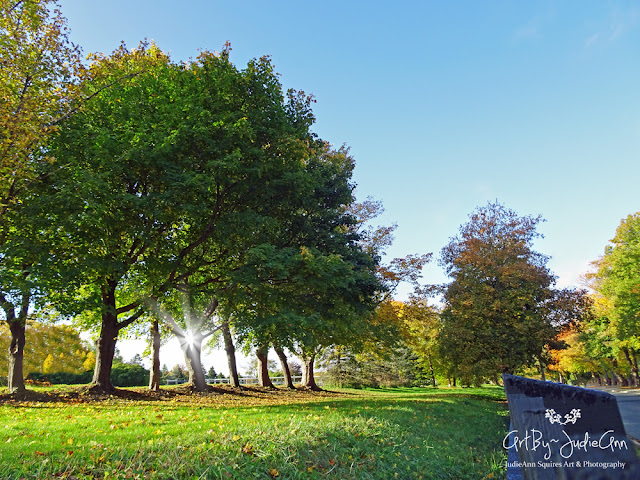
x,y
61,377
129,375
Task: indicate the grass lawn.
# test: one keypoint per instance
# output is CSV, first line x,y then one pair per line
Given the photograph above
x,y
410,433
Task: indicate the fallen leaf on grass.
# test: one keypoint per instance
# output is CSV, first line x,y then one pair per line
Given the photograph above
x,y
274,473
248,449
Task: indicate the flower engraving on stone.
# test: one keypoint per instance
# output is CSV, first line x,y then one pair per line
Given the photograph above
x,y
570,417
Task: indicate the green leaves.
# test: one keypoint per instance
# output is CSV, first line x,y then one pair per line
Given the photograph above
x,y
617,283
496,317
202,178
38,87
50,348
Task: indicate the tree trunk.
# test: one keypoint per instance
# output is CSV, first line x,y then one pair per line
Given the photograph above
x,y
633,365
106,344
105,351
234,381
16,356
432,373
597,377
154,374
263,367
308,379
17,327
340,375
542,369
634,357
614,374
288,382
614,378
192,351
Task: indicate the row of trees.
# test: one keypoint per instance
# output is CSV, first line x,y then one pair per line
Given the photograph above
x,y
501,313
608,344
510,308
139,195
139,192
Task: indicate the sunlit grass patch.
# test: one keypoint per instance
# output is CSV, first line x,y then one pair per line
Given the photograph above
x,y
412,433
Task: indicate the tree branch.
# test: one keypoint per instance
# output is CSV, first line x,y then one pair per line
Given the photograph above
x,y
16,5
131,319
127,308
24,309
8,307
210,308
97,92
165,317
208,334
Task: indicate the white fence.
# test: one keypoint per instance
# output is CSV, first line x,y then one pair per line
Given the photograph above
x,y
251,381
247,381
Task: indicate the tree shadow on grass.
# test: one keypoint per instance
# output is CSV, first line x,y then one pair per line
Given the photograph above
x,y
215,395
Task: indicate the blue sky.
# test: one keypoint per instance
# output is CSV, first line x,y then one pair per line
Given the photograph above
x,y
445,105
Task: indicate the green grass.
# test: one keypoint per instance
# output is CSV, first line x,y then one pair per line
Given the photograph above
x,y
373,434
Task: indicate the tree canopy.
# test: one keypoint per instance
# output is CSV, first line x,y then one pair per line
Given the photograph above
x,y
617,279
500,304
40,72
615,328
202,180
38,87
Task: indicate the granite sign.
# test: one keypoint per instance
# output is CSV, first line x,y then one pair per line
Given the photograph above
x,y
563,432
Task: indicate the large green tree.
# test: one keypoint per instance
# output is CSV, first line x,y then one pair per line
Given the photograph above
x,y
279,158
617,284
40,70
499,305
367,329
314,285
174,176
140,161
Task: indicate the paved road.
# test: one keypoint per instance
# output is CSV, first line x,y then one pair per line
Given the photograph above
x,y
629,406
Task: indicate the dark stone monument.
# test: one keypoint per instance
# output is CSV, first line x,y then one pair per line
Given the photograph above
x,y
563,432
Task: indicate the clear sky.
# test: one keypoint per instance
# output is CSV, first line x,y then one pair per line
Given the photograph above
x,y
445,105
